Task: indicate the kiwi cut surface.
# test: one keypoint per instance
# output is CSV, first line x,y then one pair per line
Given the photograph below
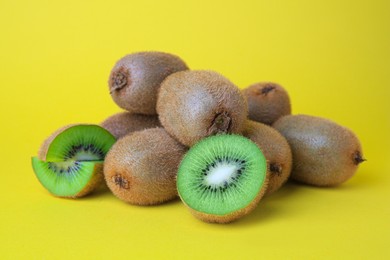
x,y
68,179
70,161
80,143
324,152
195,104
222,178
135,79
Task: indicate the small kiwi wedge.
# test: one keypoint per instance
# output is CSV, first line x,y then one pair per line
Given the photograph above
x,y
267,102
195,104
70,161
141,167
125,123
324,153
276,150
135,79
222,178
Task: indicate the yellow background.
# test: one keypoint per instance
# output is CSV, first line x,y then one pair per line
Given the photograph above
x,y
332,56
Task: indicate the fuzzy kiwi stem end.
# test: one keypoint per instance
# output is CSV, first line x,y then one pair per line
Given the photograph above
x,y
119,80
275,168
267,89
220,124
120,181
358,158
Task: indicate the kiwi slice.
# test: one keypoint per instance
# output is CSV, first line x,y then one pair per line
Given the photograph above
x,y
222,178
70,161
324,152
195,104
135,79
70,178
267,101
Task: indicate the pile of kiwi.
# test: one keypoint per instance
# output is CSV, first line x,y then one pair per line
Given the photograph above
x,y
194,134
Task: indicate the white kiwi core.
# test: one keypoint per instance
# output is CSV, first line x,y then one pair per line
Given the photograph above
x,y
221,173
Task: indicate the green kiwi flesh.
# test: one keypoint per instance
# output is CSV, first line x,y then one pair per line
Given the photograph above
x,y
195,104
66,179
70,161
124,123
135,79
276,150
324,153
222,178
80,143
267,102
141,167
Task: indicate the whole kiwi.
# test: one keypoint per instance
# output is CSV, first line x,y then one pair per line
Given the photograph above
x,y
194,104
123,123
267,102
324,153
276,150
135,79
141,167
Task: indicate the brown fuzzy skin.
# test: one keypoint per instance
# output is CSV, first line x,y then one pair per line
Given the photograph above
x,y
224,219
96,180
267,102
141,167
45,145
196,104
324,153
125,123
136,78
276,150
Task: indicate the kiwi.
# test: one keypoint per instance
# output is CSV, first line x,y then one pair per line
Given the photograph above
x,y
124,123
135,79
70,161
276,150
222,178
141,167
324,153
267,102
195,104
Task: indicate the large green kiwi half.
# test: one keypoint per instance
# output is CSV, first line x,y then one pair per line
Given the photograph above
x,y
222,178
70,161
195,104
135,79
324,153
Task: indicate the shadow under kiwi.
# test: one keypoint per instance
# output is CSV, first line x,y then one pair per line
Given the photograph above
x,y
267,210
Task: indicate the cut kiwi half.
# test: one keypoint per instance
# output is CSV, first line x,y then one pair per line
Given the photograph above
x,y
70,161
222,178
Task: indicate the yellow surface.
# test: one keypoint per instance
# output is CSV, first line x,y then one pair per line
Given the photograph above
x,y
332,56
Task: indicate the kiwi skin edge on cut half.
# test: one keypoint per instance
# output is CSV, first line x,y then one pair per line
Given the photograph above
x,y
222,178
